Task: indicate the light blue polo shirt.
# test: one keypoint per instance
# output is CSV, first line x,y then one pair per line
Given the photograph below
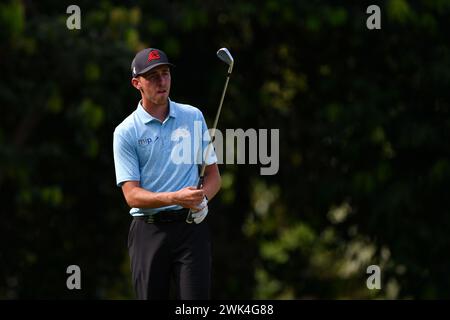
x,y
162,156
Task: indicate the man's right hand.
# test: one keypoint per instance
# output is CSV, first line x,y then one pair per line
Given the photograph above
x,y
189,197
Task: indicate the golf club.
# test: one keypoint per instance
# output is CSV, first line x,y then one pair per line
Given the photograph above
x,y
224,55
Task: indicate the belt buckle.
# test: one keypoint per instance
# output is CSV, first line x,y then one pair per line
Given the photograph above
x,y
150,219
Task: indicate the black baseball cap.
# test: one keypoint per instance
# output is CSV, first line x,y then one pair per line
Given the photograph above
x,y
147,59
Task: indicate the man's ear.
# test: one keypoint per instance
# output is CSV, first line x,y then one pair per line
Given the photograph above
x,y
136,84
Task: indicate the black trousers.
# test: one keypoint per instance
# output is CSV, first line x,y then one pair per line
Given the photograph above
x,y
161,252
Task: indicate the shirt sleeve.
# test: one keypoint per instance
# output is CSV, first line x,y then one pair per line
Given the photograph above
x,y
126,161
211,157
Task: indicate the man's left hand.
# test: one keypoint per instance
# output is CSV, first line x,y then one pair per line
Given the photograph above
x,y
202,211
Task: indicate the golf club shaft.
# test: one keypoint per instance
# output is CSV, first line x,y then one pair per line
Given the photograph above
x,y
189,218
213,131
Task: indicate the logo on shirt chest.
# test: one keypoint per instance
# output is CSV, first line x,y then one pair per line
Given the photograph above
x,y
146,141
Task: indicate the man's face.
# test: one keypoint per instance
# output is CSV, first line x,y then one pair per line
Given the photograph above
x,y
155,85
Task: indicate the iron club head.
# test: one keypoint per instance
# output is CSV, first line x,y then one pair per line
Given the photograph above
x,y
226,57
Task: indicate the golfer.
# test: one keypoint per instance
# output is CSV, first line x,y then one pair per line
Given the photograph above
x,y
158,149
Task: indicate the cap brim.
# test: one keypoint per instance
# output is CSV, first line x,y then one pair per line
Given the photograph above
x,y
153,67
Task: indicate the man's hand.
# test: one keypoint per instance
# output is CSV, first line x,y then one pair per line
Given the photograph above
x,y
200,213
189,197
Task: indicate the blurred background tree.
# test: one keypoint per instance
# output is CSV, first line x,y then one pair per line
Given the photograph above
x,y
364,131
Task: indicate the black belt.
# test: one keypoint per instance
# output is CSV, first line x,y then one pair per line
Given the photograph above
x,y
166,216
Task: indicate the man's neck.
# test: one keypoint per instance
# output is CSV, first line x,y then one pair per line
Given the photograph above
x,y
159,111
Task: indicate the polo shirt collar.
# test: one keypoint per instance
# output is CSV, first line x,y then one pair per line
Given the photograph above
x,y
172,109
147,117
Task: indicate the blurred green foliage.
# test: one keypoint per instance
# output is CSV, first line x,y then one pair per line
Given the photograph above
x,y
364,130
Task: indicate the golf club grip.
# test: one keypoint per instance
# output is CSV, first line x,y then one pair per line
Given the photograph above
x,y
189,218
200,182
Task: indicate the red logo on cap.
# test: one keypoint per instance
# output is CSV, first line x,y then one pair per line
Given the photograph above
x,y
153,55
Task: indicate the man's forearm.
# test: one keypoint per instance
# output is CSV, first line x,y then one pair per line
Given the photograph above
x,y
141,198
211,184
188,197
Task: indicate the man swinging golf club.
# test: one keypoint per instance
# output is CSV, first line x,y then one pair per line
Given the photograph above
x,y
163,194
